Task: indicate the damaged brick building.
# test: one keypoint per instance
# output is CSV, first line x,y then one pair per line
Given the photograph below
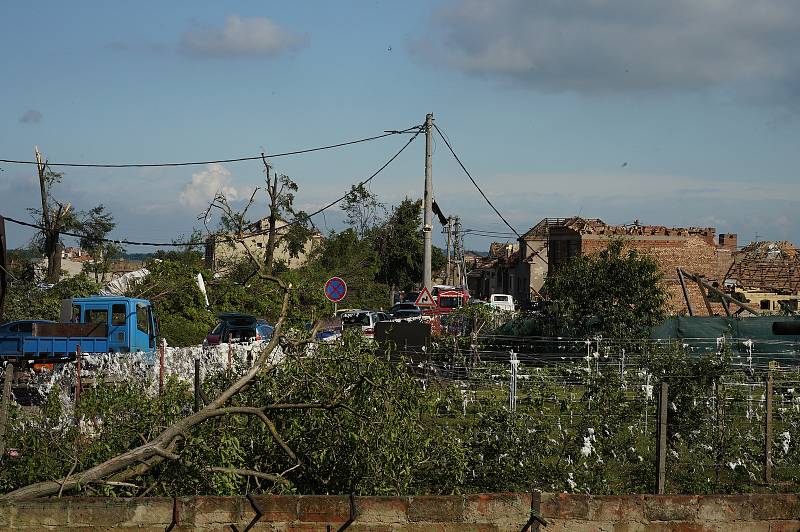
x,y
521,270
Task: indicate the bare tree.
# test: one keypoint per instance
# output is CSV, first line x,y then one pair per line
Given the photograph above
x,y
280,195
52,219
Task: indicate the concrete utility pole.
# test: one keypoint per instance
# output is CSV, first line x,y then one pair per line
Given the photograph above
x,y
449,273
427,220
457,252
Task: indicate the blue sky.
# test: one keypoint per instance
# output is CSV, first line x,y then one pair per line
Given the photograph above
x,y
679,113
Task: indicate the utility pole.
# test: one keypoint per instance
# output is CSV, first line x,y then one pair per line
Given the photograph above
x,y
457,251
449,273
427,220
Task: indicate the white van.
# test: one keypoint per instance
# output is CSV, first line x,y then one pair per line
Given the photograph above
x,y
502,302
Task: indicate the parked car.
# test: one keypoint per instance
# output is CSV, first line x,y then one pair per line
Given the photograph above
x,y
405,311
237,327
366,319
329,330
502,302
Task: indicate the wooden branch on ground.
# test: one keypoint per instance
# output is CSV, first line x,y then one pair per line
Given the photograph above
x,y
248,473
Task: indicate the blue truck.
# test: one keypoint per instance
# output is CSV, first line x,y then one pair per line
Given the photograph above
x,y
95,324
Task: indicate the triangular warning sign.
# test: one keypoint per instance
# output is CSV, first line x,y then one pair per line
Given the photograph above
x,y
424,299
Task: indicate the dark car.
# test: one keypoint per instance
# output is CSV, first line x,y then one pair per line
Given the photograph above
x,y
235,327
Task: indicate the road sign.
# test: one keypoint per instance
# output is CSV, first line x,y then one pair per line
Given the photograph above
x,y
335,289
424,299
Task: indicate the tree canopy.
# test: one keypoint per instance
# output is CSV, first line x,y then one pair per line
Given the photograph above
x,y
615,293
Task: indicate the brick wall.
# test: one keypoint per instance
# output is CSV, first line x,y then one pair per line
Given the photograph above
x,y
693,254
487,512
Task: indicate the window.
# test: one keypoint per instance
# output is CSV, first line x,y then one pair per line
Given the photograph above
x,y
142,318
765,304
118,314
450,301
362,318
96,315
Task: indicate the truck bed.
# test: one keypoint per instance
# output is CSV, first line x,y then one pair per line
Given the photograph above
x,y
50,347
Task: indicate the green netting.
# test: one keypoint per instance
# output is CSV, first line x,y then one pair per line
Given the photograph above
x,y
751,336
757,328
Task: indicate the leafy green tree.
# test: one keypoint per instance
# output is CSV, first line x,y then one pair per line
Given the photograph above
x,y
364,211
399,244
177,300
280,196
616,293
27,300
22,263
95,226
354,260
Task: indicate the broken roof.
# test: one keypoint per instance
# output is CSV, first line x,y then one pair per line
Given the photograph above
x,y
767,265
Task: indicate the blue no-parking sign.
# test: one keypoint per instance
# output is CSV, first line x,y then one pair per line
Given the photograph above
x,y
335,289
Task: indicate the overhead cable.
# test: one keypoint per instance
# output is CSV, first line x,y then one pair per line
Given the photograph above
x,y
215,161
227,238
473,180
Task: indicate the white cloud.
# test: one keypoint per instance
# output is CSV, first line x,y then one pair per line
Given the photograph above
x,y
604,45
239,36
205,185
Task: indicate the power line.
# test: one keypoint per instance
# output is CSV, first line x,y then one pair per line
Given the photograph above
x,y
126,242
231,160
228,239
370,178
488,232
441,134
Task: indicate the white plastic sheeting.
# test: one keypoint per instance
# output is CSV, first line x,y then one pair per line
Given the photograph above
x,y
145,368
120,285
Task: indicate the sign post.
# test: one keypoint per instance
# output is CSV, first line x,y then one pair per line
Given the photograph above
x,y
335,290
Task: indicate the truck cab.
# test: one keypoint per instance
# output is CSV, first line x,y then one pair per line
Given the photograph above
x,y
129,322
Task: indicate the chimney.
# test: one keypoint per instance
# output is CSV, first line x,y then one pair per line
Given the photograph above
x,y
727,241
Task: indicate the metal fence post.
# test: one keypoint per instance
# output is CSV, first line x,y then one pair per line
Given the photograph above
x,y
77,374
512,386
661,441
5,405
768,431
196,384
162,347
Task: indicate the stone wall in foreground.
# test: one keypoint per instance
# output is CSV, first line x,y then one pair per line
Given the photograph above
x,y
486,512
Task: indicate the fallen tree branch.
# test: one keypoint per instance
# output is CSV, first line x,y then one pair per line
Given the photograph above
x,y
248,473
140,459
